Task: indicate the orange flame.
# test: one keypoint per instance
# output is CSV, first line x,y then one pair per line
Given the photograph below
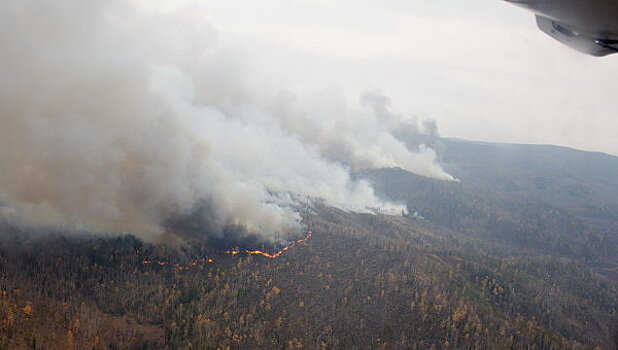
x,y
272,255
196,262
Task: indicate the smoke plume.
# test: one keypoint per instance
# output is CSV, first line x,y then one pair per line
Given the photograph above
x,y
116,120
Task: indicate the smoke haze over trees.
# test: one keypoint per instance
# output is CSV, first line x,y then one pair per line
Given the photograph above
x,y
117,119
120,125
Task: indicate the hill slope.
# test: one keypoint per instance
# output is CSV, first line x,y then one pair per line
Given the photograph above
x,y
518,255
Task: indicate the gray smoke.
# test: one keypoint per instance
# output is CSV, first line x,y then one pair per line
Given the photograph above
x,y
361,139
112,119
422,135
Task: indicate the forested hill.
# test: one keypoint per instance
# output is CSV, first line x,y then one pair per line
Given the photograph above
x,y
465,155
520,254
560,175
518,198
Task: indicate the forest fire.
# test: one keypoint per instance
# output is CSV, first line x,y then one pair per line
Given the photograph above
x,y
200,261
271,255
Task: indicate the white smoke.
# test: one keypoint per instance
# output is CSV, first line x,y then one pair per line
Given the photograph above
x,y
113,120
361,139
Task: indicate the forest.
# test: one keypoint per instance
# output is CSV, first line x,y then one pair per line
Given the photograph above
x,y
490,262
360,282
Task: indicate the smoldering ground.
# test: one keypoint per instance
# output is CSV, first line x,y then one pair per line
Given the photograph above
x,y
114,119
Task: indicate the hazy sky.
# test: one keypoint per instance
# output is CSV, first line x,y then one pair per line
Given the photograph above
x,y
481,69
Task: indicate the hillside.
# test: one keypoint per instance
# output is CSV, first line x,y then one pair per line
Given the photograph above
x,y
518,198
518,255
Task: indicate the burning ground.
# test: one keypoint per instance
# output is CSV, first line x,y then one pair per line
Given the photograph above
x,y
362,281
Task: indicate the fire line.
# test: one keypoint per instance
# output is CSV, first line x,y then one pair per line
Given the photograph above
x,y
199,261
271,255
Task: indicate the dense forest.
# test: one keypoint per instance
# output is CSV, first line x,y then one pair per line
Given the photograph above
x,y
360,282
476,264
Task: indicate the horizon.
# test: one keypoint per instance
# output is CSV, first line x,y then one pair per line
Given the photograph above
x,y
497,77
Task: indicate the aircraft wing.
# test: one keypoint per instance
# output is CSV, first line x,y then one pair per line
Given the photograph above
x,y
589,26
